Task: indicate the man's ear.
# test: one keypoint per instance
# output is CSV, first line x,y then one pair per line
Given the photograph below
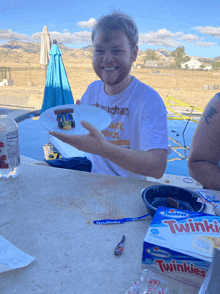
x,y
135,53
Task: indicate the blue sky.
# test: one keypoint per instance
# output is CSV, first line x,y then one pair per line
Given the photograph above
x,y
163,24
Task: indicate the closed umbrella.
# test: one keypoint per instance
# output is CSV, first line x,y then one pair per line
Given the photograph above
x,y
45,49
57,89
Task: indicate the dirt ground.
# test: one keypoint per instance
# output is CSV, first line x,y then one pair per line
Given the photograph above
x,y
183,85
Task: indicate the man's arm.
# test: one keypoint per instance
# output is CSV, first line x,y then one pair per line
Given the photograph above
x,y
151,163
205,149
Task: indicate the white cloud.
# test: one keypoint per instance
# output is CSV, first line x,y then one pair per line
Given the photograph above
x,y
211,31
206,44
166,38
163,33
66,37
162,37
189,38
9,35
87,24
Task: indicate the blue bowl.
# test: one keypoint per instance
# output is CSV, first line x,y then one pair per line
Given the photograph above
x,y
156,196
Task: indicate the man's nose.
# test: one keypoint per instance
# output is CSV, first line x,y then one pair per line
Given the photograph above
x,y
108,57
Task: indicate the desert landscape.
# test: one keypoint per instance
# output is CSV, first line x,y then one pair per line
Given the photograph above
x,y
29,78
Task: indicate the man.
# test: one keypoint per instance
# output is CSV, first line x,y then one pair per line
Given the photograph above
x,y
204,157
135,144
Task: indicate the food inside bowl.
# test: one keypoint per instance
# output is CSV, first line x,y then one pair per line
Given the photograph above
x,y
172,197
169,202
172,202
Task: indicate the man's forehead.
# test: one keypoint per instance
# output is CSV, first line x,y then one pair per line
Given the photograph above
x,y
112,37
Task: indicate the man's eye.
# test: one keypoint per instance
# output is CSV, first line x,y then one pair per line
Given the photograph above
x,y
99,51
117,51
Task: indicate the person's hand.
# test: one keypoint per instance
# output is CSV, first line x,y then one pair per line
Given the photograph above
x,y
94,142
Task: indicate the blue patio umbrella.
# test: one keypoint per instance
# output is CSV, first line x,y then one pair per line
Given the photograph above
x,y
57,89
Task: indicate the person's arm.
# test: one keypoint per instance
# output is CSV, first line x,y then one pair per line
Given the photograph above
x,y
151,163
152,136
205,148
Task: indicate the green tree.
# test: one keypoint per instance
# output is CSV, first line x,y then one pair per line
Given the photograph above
x,y
150,55
179,52
216,65
180,60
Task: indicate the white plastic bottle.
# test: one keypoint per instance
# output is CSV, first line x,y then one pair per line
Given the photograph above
x,y
9,146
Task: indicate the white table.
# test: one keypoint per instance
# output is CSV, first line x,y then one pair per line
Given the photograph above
x,y
48,213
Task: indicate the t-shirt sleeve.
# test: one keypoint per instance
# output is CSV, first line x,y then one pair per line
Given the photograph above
x,y
154,133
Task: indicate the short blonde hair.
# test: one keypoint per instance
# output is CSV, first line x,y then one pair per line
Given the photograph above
x,y
117,21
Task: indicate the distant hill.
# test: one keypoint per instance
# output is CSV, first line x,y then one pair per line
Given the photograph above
x,y
87,47
15,51
216,59
20,52
160,54
165,52
31,47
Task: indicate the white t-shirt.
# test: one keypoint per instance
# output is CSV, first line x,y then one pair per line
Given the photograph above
x,y
139,122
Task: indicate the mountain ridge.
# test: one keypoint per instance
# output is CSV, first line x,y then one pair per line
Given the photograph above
x,y
16,47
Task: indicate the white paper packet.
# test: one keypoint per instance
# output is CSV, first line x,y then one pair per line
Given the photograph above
x,y
11,257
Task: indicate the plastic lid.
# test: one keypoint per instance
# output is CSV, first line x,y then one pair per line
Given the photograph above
x,y
3,111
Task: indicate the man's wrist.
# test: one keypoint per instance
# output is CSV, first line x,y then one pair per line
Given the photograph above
x,y
105,149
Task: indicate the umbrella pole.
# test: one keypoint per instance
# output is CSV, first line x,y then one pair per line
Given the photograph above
x,y
48,137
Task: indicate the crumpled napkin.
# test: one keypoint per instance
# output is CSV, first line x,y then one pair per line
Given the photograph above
x,y
11,257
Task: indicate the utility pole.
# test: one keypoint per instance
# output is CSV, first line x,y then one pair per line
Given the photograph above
x,y
29,71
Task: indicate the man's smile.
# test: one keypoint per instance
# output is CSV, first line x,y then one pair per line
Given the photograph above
x,y
110,68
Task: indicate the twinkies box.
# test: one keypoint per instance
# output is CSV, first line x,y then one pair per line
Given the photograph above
x,y
181,267
179,244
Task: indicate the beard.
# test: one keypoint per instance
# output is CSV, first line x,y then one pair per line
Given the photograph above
x,y
113,77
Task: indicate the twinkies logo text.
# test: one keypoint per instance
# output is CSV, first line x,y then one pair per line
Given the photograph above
x,y
158,252
173,213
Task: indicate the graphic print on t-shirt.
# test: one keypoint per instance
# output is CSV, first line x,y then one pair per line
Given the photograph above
x,y
116,128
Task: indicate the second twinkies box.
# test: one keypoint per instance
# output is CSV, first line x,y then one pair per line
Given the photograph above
x,y
179,244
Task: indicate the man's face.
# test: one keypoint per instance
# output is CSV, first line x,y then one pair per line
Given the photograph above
x,y
112,57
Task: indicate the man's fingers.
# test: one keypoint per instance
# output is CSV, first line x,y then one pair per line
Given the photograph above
x,y
88,126
62,137
55,134
85,124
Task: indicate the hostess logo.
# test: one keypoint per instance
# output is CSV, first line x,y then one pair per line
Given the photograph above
x,y
154,231
173,213
156,251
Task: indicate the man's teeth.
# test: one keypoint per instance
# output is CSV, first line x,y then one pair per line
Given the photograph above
x,y
106,68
